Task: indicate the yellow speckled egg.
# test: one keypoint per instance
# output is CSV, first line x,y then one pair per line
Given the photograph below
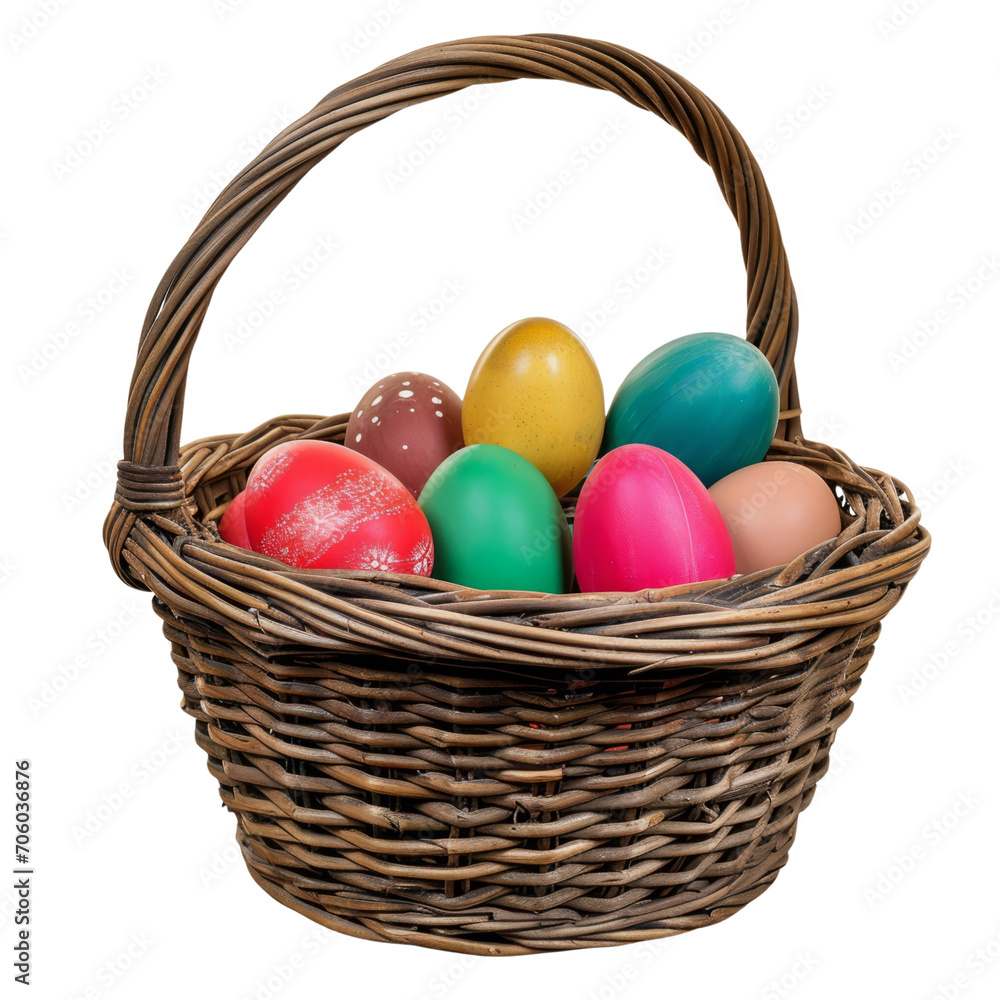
x,y
536,390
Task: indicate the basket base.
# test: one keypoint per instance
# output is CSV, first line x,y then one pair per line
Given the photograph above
x,y
675,914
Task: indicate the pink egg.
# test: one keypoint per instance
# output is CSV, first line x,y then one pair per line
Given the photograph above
x,y
409,423
775,511
644,520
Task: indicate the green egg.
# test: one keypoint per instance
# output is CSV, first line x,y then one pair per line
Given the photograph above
x,y
710,399
496,522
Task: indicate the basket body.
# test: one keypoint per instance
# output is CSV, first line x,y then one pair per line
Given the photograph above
x,y
472,807
499,773
391,815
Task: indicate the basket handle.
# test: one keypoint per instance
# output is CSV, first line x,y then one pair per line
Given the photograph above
x,y
149,480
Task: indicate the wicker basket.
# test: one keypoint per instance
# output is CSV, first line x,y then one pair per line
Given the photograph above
x,y
499,773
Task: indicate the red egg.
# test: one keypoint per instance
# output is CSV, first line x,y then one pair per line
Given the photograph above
x,y
644,520
233,526
409,423
318,505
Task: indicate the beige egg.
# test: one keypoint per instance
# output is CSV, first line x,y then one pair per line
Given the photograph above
x,y
775,511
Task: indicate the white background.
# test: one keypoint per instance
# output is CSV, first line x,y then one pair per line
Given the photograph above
x,y
892,883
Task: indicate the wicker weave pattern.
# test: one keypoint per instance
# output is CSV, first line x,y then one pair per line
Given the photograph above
x,y
499,773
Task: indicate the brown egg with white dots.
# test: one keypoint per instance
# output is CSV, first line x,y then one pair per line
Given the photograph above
x,y
409,423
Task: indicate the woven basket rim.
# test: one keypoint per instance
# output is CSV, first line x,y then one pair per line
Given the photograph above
x,y
613,625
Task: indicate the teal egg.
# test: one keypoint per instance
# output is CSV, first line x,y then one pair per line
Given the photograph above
x,y
497,523
710,399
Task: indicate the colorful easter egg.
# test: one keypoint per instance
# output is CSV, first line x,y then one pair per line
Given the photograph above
x,y
497,523
709,399
775,511
644,520
536,390
233,526
409,423
318,505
